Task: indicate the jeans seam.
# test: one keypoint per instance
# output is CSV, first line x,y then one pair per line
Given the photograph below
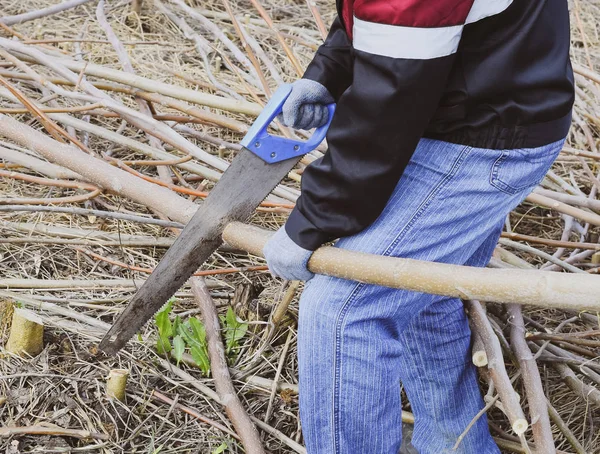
x,y
337,366
453,170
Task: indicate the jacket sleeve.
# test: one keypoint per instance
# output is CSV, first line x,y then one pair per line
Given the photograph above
x,y
403,54
332,64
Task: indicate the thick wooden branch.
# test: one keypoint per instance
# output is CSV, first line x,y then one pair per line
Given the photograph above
x,y
498,373
534,389
542,288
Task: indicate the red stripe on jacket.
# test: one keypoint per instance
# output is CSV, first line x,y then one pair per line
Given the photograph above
x,y
407,13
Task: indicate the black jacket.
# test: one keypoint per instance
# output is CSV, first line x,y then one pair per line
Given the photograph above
x,y
485,73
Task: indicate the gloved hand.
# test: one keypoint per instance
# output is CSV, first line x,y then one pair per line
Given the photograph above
x,y
306,106
286,259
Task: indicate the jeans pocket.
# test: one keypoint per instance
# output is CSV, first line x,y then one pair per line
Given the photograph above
x,y
523,168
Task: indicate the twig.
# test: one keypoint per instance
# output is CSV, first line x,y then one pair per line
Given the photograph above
x,y
277,375
277,434
544,255
220,372
190,411
149,271
550,242
51,430
318,20
247,48
562,426
263,13
561,207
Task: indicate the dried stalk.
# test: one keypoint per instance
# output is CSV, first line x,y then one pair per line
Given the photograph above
x,y
51,430
586,392
20,18
247,48
265,15
148,124
132,144
221,36
160,396
220,372
97,213
54,309
549,242
562,426
185,94
202,46
312,5
544,255
45,168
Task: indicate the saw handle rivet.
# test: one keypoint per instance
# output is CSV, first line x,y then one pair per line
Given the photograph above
x,y
296,147
273,154
257,144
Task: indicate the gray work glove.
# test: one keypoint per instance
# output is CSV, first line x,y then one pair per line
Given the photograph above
x,y
306,106
286,259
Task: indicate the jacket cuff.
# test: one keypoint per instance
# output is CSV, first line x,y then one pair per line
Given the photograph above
x,y
304,233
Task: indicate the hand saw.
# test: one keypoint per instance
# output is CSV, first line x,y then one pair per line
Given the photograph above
x,y
258,168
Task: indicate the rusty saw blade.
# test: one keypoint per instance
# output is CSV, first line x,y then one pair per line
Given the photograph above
x,y
257,169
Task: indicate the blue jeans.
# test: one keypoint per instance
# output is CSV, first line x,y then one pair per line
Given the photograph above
x,y
359,342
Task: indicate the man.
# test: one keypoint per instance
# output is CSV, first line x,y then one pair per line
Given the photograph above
x,y
449,113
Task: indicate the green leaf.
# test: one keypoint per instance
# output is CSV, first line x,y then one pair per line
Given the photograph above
x,y
221,449
200,356
198,330
163,344
176,325
185,331
179,348
162,321
230,318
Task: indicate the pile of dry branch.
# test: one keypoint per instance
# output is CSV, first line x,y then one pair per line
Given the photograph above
x,y
116,120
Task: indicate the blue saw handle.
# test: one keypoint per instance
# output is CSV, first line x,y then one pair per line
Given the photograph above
x,y
273,149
